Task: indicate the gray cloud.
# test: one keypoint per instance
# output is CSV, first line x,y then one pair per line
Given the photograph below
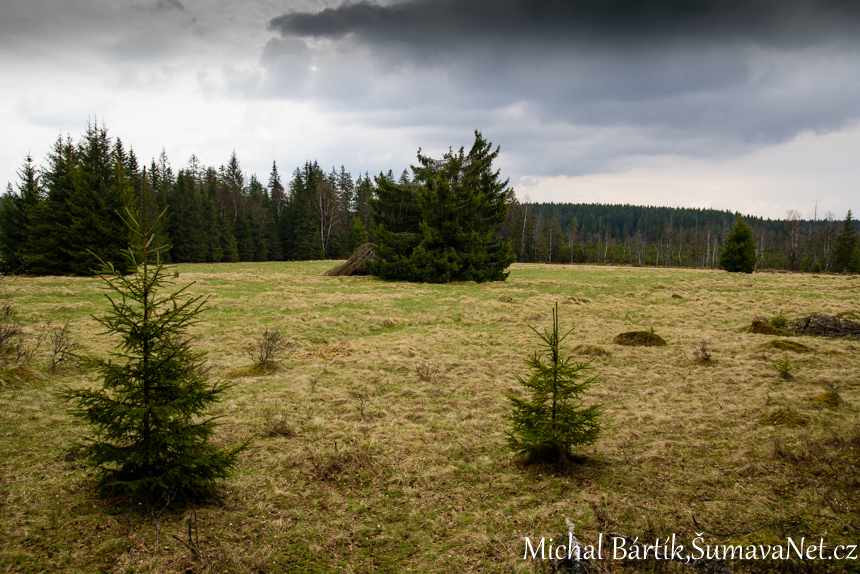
x,y
443,22
702,78
170,5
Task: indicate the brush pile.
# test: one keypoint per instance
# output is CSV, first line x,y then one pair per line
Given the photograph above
x,y
826,326
355,264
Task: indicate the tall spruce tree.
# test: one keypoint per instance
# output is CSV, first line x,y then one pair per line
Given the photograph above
x,y
101,191
151,432
444,226
186,226
50,240
845,256
738,254
16,212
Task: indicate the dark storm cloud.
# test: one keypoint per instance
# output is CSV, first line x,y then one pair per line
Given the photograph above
x,y
700,78
441,23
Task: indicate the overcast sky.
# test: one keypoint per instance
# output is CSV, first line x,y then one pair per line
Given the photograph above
x,y
751,106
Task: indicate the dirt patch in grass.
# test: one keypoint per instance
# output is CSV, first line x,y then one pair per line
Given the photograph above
x,y
639,339
793,346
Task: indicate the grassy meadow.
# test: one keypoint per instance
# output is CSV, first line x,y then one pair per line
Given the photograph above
x,y
379,444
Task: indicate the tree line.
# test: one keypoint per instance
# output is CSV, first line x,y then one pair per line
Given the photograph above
x,y
669,236
61,218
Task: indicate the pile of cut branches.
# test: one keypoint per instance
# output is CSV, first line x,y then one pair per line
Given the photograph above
x,y
826,326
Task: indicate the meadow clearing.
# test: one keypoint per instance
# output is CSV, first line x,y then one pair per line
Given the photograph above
x,y
379,445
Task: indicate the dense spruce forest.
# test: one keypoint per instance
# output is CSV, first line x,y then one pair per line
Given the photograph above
x,y
58,217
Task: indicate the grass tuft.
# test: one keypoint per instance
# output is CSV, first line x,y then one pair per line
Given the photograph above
x,y
591,351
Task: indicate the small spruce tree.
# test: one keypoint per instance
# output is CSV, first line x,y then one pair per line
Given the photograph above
x,y
151,431
738,254
547,425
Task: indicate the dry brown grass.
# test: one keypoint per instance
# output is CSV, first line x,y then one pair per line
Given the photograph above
x,y
793,346
591,351
379,445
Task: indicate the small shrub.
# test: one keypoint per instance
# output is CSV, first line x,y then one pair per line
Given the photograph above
x,y
62,349
784,345
785,368
780,321
639,339
27,350
266,351
547,425
362,398
10,329
703,354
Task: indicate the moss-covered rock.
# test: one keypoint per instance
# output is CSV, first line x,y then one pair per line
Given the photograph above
x,y
785,417
830,398
759,327
639,339
793,346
